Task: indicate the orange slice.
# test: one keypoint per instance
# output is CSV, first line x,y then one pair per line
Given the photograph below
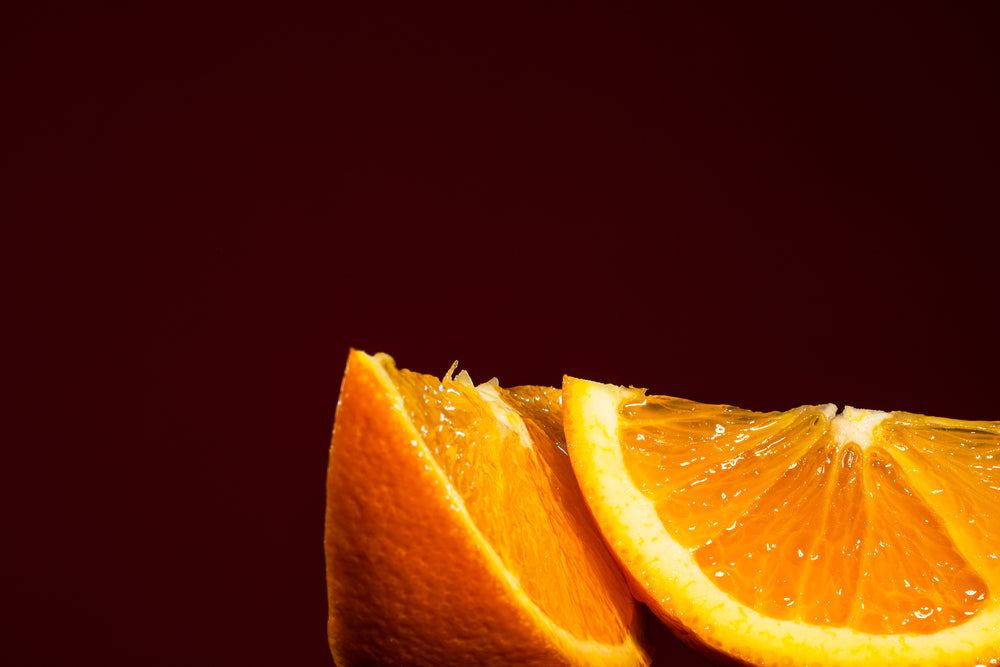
x,y
456,534
801,537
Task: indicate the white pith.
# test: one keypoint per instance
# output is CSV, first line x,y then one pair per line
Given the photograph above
x,y
633,526
856,425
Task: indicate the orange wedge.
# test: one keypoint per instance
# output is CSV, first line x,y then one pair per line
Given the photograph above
x,y
803,537
456,534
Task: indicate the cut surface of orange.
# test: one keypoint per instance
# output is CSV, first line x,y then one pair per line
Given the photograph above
x,y
801,537
456,534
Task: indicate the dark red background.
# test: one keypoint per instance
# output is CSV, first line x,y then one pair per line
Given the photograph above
x,y
764,206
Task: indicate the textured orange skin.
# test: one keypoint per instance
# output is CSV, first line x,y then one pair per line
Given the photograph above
x,y
400,563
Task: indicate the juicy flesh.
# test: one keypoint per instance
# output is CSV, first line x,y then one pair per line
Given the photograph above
x,y
901,535
522,496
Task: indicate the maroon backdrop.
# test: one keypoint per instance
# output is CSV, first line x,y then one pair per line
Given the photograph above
x,y
763,206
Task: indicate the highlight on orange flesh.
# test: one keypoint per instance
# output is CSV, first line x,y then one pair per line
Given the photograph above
x,y
802,537
456,534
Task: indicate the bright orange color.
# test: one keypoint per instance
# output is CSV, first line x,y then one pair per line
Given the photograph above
x,y
456,534
799,537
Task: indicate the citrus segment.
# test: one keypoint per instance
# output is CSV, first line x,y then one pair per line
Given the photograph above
x,y
767,563
945,454
455,531
799,536
750,450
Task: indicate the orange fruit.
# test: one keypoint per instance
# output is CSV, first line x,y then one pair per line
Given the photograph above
x,y
802,537
456,534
